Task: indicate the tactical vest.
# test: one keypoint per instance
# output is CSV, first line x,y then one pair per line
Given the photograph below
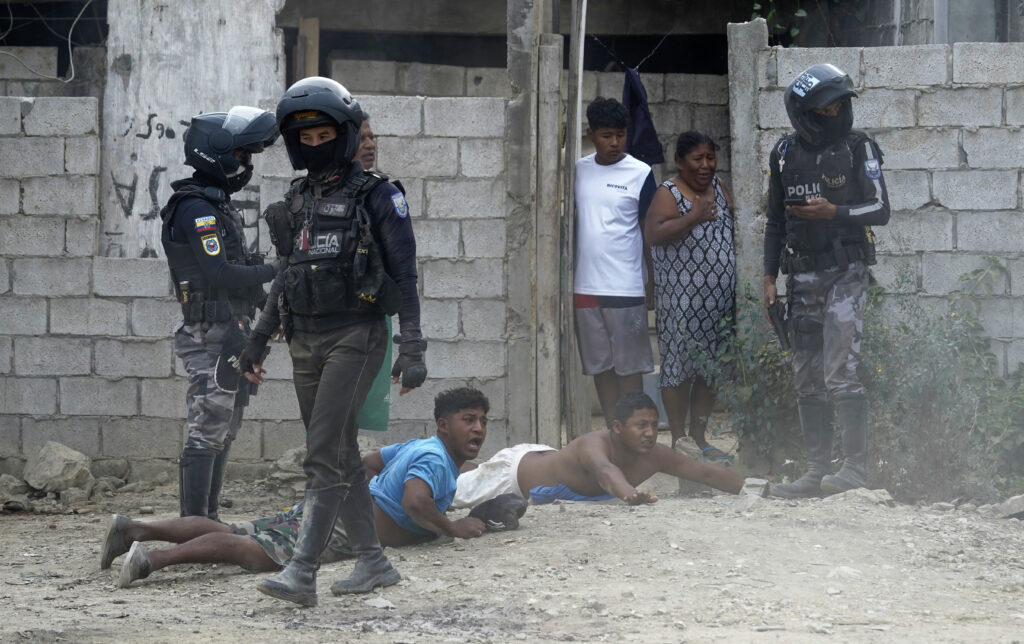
x,y
335,272
828,173
200,301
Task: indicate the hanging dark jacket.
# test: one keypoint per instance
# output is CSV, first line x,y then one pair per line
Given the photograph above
x,y
641,137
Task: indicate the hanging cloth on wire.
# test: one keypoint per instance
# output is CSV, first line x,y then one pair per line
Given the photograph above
x,y
641,137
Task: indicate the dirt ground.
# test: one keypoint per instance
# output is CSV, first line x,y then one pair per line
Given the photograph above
x,y
694,567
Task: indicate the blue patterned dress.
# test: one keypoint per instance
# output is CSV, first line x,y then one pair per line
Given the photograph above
x,y
695,287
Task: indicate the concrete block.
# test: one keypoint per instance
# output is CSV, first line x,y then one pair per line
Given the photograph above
x,y
588,91
483,238
996,315
487,81
965,106
155,318
279,437
87,316
1014,356
711,119
31,236
483,319
986,63
908,233
767,69
700,89
481,157
906,66
358,76
418,79
31,157
51,276
6,344
37,60
440,318
1014,105
163,398
992,232
394,115
23,315
466,359
975,189
10,115
118,358
878,108
142,438
82,155
654,85
419,404
771,110
131,277
33,396
50,356
609,85
466,199
80,237
273,162
941,272
248,444
420,157
913,149
908,189
63,195
414,197
793,61
436,238
464,117
668,118
475,278
1018,319
62,116
81,434
897,273
94,396
992,147
275,401
10,196
279,362
5,276
10,436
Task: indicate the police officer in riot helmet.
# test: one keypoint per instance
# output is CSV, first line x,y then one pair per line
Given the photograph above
x,y
351,257
826,191
218,283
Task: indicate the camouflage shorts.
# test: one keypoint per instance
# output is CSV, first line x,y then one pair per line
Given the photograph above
x,y
277,536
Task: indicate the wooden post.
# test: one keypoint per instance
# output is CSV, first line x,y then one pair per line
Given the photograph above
x,y
309,46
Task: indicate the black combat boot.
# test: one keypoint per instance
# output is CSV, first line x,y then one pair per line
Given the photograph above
x,y
372,569
297,582
816,422
195,471
853,419
217,482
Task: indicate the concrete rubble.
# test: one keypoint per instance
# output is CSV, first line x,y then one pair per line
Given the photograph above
x,y
56,467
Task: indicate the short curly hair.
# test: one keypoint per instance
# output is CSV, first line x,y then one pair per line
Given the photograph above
x,y
607,112
632,401
449,402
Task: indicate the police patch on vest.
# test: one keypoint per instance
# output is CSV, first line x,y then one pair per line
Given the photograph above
x,y
872,169
211,244
205,224
332,209
401,207
325,244
834,182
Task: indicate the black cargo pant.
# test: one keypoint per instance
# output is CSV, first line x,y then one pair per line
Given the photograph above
x,y
333,371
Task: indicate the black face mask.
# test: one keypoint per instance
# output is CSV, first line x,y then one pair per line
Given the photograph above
x,y
319,158
239,181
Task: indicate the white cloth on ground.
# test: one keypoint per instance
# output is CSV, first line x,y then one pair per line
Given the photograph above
x,y
498,475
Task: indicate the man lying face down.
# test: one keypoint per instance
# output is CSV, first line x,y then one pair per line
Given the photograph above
x,y
413,484
599,465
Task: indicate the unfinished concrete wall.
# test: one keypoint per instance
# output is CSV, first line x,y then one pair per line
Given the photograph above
x,y
948,120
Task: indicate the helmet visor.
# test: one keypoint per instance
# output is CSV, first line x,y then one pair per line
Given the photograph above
x,y
239,118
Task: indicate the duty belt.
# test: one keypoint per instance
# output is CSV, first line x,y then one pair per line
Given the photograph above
x,y
839,256
199,309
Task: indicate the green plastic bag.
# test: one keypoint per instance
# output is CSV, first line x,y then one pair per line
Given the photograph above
x,y
375,413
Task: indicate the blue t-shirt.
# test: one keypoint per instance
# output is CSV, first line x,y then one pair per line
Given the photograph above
x,y
422,458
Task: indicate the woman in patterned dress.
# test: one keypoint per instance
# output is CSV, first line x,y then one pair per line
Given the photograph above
x,y
690,228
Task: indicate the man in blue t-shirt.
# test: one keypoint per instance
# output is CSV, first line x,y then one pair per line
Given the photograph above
x,y
413,484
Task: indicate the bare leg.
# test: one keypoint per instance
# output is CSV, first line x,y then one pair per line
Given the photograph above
x,y
177,530
702,400
677,406
607,385
215,547
632,382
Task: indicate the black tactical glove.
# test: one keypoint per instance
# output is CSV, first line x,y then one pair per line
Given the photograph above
x,y
410,363
255,352
500,513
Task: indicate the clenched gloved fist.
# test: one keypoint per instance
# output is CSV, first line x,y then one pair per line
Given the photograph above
x,y
410,365
501,513
255,352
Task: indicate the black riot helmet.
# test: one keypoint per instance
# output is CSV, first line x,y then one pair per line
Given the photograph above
x,y
815,88
211,141
317,101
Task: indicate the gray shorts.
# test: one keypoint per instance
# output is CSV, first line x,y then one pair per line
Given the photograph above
x,y
614,338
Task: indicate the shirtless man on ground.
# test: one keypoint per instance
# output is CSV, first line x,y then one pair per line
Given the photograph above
x,y
603,464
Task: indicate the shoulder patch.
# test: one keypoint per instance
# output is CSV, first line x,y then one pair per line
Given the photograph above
x,y
204,224
872,169
211,244
401,207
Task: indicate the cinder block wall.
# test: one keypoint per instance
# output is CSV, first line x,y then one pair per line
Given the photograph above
x,y
948,120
